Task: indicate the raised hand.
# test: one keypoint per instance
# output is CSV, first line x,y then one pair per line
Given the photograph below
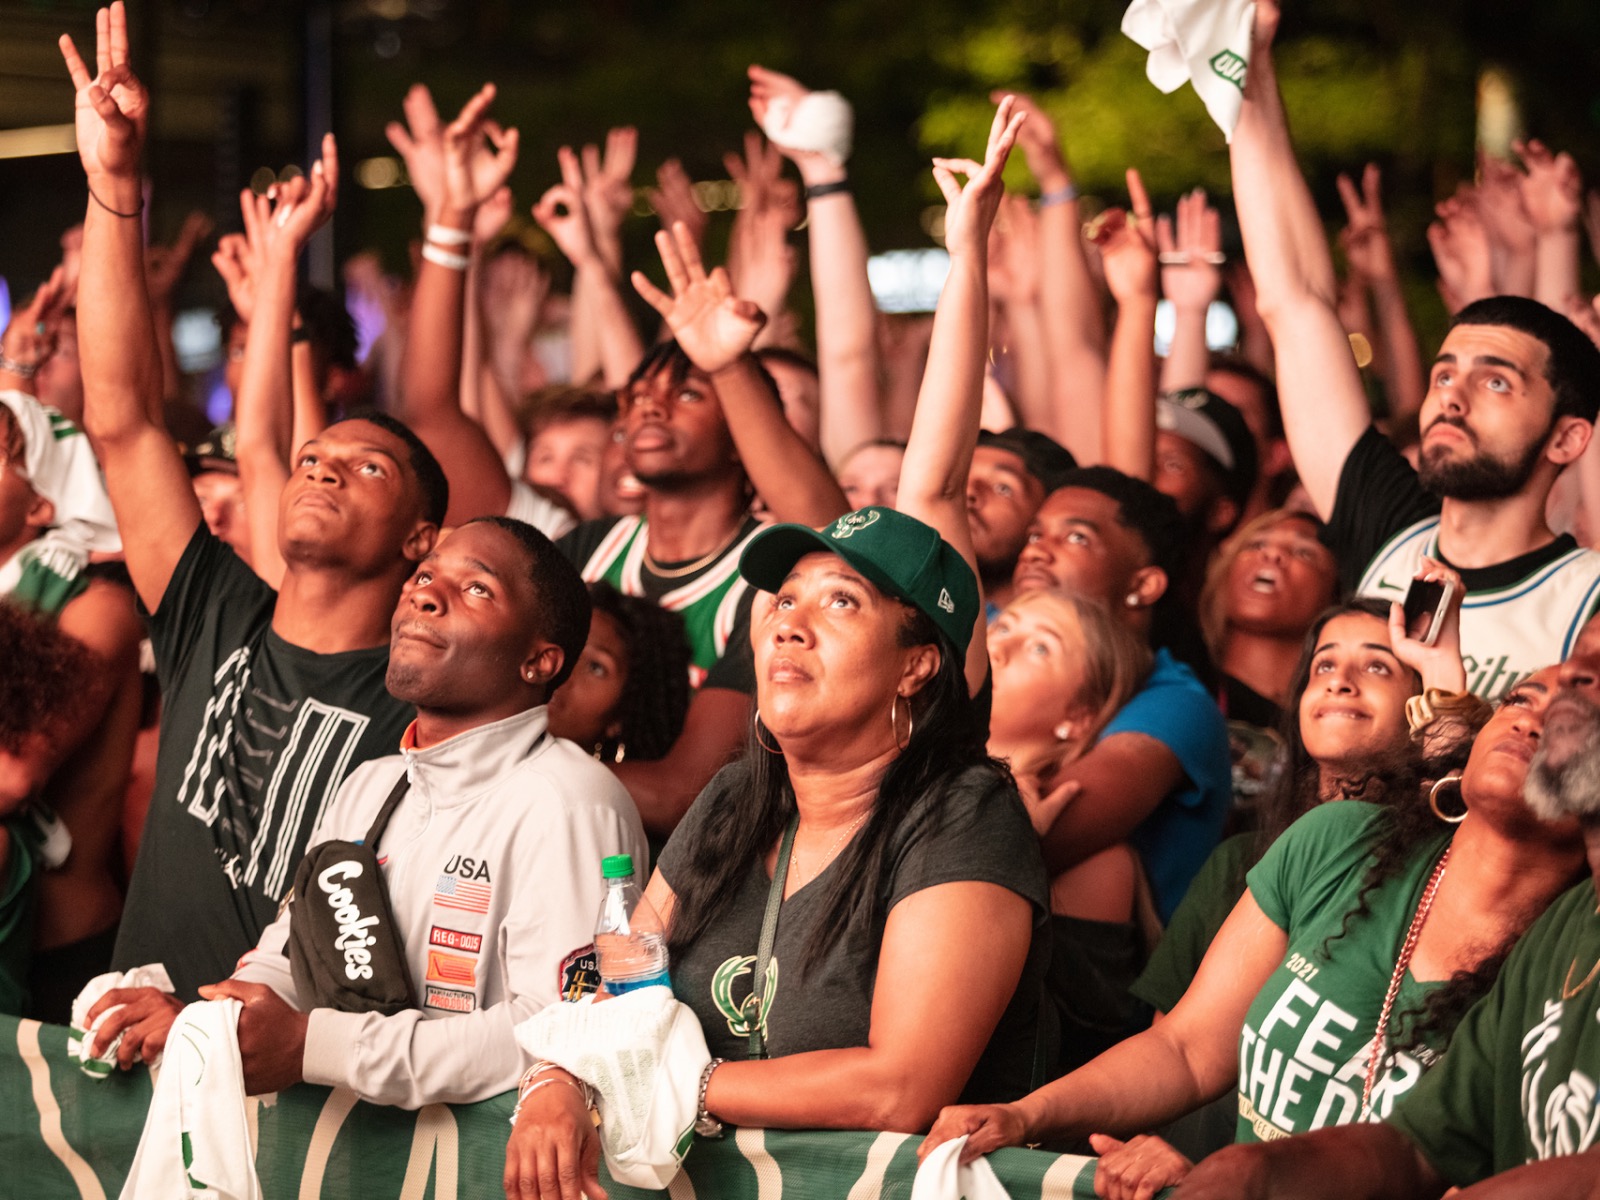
x,y
767,86
714,327
1551,188
1039,142
1127,245
164,265
1461,249
478,154
1191,252
970,209
1438,665
30,338
673,201
1365,238
562,213
761,263
239,264
111,108
1501,207
608,189
280,223
420,144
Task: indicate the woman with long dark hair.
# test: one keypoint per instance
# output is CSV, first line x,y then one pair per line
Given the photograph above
x,y
866,838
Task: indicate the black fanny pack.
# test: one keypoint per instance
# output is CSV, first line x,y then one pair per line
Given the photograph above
x,y
344,949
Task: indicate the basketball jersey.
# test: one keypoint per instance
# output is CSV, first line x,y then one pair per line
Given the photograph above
x,y
708,601
1508,632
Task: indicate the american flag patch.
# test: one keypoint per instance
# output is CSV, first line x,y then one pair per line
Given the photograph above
x,y
451,892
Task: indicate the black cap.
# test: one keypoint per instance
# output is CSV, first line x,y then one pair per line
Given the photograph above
x,y
215,453
1046,459
1218,429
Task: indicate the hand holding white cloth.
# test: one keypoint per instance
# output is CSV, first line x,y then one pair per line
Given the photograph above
x,y
942,1176
643,1052
1203,42
196,1139
822,122
153,975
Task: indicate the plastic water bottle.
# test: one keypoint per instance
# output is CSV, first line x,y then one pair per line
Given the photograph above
x,y
628,938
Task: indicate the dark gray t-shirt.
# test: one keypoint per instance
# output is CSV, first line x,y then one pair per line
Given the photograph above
x,y
977,830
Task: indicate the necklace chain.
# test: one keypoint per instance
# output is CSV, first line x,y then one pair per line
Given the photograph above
x,y
1380,1039
660,572
794,854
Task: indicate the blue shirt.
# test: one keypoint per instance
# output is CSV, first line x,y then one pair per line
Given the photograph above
x,y
1175,839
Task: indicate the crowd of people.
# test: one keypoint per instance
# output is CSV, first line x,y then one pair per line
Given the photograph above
x,y
1026,731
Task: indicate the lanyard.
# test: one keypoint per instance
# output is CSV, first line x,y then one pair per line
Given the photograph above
x,y
754,1017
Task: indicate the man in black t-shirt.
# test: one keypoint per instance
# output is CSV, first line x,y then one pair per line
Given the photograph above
x,y
271,698
1511,401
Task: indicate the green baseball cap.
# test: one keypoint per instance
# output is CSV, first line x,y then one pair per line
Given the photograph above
x,y
899,554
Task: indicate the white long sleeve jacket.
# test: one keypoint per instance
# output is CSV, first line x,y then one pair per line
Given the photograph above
x,y
492,862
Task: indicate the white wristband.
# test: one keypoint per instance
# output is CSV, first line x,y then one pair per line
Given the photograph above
x,y
456,262
446,236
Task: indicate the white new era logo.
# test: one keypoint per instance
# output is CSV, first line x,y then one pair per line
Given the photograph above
x,y
945,602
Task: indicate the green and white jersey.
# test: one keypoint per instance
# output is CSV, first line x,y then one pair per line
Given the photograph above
x,y
1519,1082
714,601
1511,629
1307,1039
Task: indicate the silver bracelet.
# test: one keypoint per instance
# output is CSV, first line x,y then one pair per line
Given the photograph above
x,y
705,1125
435,254
1064,194
446,236
20,369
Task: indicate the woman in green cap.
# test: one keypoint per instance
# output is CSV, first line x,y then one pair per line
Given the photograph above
x,y
866,860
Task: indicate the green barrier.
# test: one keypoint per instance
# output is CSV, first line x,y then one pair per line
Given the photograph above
x,y
65,1136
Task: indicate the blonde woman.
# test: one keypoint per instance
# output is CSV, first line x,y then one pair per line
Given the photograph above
x,y
1062,667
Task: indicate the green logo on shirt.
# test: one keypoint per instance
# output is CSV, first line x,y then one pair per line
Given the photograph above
x,y
722,993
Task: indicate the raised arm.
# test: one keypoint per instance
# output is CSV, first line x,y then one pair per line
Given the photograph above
x,y
944,432
847,346
1128,249
1014,294
1369,252
277,227
761,262
1069,298
716,330
431,379
1191,277
597,296
1324,406
156,509
1552,192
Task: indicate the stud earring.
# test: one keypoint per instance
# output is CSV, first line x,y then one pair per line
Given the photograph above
x,y
1131,600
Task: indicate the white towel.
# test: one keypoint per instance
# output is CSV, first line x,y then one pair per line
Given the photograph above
x,y
154,975
942,1177
196,1139
1203,42
62,468
822,122
643,1052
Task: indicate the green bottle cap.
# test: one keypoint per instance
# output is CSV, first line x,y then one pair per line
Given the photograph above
x,y
616,866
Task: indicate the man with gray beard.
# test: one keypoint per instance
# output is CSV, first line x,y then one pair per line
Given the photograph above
x,y
1512,1110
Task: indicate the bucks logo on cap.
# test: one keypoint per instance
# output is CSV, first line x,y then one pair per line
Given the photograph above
x,y
852,523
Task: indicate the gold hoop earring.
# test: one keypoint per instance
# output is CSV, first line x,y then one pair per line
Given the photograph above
x,y
761,741
894,722
1433,800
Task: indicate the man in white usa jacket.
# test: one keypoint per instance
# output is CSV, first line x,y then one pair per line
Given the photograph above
x,y
491,860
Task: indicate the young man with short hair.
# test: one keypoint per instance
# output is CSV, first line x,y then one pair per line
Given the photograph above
x,y
1012,472
270,698
491,860
1511,401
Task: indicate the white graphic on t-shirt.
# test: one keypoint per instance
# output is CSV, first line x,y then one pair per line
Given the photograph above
x,y
1562,1120
308,749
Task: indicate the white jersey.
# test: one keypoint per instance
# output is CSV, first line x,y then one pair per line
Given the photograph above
x,y
1506,633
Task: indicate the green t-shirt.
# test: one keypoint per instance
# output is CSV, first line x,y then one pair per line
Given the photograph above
x,y
1519,1082
1305,1043
19,894
1201,912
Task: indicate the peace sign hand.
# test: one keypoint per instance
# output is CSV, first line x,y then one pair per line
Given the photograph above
x,y
714,327
111,108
